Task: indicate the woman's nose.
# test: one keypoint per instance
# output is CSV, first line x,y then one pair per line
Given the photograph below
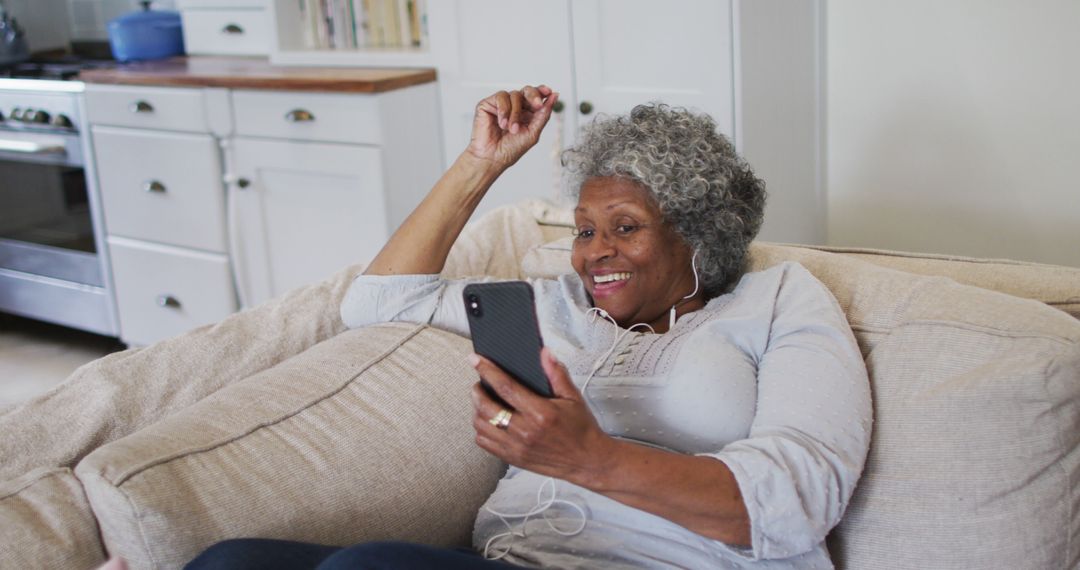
x,y
600,247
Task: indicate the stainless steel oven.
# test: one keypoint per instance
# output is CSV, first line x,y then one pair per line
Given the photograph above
x,y
53,264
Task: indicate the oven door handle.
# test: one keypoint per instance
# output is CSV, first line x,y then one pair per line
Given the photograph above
x,y
29,147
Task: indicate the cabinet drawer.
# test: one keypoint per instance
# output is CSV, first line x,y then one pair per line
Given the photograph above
x,y
226,32
327,117
174,109
164,291
163,187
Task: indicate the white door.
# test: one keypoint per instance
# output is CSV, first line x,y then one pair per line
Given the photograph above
x,y
679,52
483,46
301,211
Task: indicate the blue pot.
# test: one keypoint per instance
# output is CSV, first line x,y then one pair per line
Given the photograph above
x,y
146,35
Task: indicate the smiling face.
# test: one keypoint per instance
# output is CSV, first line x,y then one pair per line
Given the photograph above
x,y
633,264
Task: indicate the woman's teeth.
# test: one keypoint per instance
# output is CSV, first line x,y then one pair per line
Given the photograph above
x,y
610,277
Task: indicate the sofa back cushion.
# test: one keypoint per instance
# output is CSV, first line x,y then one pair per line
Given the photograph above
x,y
1054,285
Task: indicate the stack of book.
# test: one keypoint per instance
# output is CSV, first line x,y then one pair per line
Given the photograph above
x,y
354,24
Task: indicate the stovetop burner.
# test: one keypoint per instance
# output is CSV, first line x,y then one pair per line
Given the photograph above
x,y
62,69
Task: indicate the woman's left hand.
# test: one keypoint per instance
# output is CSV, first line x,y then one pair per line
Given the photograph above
x,y
557,436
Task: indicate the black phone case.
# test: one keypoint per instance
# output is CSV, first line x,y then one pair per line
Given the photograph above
x,y
505,330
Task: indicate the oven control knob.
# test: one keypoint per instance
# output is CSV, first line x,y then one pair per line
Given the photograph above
x,y
38,117
61,120
16,114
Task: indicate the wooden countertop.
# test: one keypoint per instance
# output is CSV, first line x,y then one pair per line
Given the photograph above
x,y
256,73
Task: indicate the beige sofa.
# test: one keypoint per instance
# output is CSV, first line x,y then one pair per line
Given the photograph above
x,y
277,422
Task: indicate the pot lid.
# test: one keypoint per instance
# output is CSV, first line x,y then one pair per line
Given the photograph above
x,y
147,16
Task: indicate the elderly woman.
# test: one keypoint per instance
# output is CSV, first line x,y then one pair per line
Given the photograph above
x,y
702,417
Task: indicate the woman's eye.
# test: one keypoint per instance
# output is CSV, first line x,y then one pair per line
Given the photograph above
x,y
624,229
583,233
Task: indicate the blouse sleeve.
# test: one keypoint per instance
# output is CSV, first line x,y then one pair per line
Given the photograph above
x,y
807,445
405,298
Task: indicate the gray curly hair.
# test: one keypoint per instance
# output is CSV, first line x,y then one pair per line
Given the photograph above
x,y
704,189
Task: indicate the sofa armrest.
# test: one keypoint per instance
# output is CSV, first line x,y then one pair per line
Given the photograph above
x,y
365,436
127,391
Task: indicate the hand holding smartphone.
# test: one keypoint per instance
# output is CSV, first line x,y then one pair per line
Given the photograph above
x,y
502,319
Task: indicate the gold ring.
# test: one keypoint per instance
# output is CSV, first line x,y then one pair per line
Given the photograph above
x,y
501,419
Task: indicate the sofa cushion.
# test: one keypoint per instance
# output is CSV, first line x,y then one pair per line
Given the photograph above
x,y
46,522
365,436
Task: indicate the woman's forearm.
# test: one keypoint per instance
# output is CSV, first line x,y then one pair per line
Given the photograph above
x,y
423,241
699,493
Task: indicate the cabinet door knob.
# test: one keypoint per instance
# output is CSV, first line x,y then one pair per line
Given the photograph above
x,y
232,29
585,107
299,116
243,182
558,107
168,301
141,107
154,186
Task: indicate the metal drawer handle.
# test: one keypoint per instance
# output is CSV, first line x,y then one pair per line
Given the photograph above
x,y
141,107
299,116
232,29
168,301
153,186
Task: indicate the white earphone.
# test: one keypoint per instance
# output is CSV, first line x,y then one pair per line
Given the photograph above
x,y
697,283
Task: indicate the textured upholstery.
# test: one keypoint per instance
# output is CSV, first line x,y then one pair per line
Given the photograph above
x,y
365,436
46,522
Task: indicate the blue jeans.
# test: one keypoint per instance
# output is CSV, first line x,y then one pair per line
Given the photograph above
x,y
266,554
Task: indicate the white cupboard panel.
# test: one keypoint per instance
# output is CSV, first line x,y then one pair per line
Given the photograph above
x,y
164,291
303,211
163,187
226,32
619,63
165,108
327,117
492,45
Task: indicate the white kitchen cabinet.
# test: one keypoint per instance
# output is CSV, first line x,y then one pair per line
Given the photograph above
x,y
160,173
303,211
753,65
225,27
248,194
162,187
163,291
318,181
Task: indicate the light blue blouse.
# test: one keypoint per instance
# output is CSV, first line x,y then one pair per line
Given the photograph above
x,y
767,379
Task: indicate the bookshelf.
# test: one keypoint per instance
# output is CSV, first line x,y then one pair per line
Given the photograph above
x,y
302,33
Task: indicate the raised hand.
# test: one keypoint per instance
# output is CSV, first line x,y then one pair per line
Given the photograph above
x,y
508,123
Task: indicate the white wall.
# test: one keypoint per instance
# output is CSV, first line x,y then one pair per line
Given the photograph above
x,y
954,127
52,24
45,22
88,18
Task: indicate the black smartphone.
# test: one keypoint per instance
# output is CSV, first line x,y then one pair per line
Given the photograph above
x,y
502,318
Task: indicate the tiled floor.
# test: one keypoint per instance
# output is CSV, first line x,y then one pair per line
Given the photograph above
x,y
35,356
